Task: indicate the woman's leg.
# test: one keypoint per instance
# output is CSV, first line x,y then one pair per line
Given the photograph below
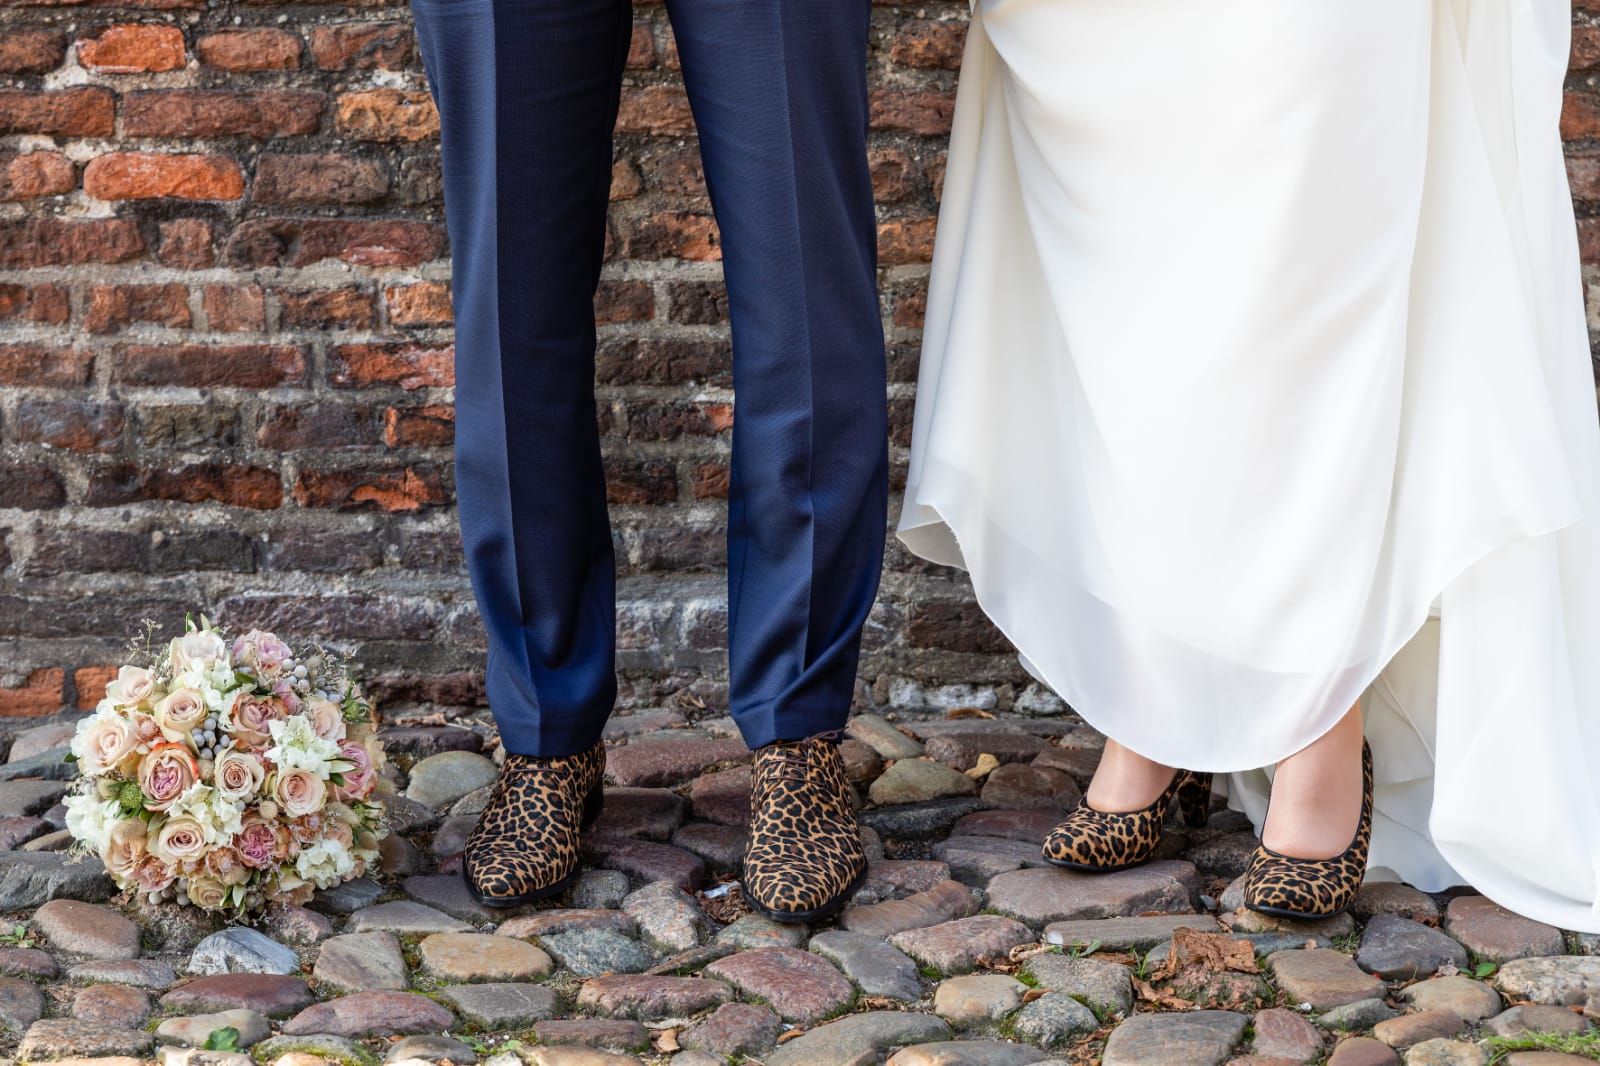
x,y
1316,795
1125,781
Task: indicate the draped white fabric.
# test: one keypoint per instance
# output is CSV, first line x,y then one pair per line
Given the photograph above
x,y
1255,336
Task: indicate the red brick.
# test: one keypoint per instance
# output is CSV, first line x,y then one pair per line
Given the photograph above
x,y
186,244
245,366
641,48
133,48
88,111
1580,117
409,366
75,425
894,174
111,307
905,241
710,481
659,109
29,175
425,303
640,481
40,694
1585,47
375,243
334,178
409,488
216,113
429,426
31,51
244,51
45,304
624,301
363,46
912,111
231,484
325,309
90,682
161,175
387,115
43,365
30,487
293,427
63,242
671,235
235,308
625,181
929,43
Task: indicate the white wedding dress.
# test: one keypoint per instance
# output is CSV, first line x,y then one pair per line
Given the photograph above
x,y
1255,338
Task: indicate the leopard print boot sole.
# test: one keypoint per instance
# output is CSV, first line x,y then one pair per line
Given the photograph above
x,y
525,846
805,859
1282,886
1101,841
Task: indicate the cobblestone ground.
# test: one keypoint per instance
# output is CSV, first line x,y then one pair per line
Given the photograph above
x,y
961,948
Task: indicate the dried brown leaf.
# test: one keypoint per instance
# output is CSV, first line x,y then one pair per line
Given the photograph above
x,y
967,712
985,766
667,1041
1034,993
1166,1000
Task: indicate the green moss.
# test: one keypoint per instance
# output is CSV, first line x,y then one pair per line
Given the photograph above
x,y
1584,1045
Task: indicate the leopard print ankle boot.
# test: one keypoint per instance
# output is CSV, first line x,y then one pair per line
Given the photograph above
x,y
525,845
805,858
1103,841
1282,886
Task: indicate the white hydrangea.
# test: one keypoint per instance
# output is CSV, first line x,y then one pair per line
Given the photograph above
x,y
296,746
91,819
325,863
215,681
219,817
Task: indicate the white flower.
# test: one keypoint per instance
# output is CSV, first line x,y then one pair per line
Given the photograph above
x,y
200,647
296,746
219,817
325,863
91,819
103,740
133,686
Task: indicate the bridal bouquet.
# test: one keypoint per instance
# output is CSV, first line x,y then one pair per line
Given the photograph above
x,y
228,775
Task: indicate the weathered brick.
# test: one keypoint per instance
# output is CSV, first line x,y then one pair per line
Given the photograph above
x,y
426,303
903,241
428,426
249,50
183,425
40,693
44,365
292,427
640,481
29,175
929,43
387,115
46,304
409,366
409,488
335,178
325,309
216,113
76,425
363,46
83,551
163,175
89,683
235,308
88,111
658,109
24,50
624,301
921,111
182,552
186,243
133,48
30,486
231,484
112,307
248,366
374,243
670,235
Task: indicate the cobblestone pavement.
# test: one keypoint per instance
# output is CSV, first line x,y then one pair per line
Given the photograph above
x,y
962,948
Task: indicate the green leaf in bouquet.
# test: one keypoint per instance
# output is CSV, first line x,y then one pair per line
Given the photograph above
x,y
130,797
224,1039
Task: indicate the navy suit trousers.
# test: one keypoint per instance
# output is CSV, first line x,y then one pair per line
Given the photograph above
x,y
527,92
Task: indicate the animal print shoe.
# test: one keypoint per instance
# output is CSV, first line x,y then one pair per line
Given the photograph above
x,y
1102,841
1283,886
805,858
525,845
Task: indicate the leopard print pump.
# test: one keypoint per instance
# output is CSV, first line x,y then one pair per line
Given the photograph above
x,y
525,845
805,859
1286,887
1102,841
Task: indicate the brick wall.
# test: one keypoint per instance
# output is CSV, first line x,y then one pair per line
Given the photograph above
x,y
225,348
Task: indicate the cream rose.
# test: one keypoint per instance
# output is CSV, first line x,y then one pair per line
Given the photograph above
x,y
207,892
250,719
134,685
238,774
200,648
180,713
126,849
103,742
179,841
299,792
262,652
327,719
152,875
165,774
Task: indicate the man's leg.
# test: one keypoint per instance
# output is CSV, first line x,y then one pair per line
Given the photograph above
x,y
778,89
527,93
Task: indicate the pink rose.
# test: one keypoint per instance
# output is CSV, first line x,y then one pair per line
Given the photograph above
x,y
252,719
258,842
226,866
359,780
238,774
327,720
179,841
262,652
180,713
165,774
153,875
284,690
299,792
126,849
307,830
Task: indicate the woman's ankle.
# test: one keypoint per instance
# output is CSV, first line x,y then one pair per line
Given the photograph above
x,y
1126,781
1317,795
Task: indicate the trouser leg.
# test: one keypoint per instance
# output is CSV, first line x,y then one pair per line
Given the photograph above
x,y
527,94
778,89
